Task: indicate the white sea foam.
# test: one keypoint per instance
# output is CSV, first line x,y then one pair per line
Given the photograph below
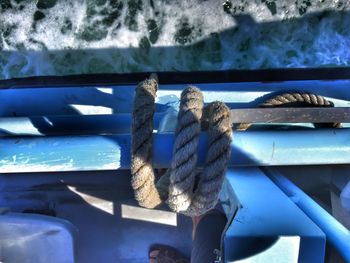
x,y
125,36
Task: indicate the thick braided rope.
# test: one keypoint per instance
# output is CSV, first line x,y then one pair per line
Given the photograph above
x,y
218,155
143,179
178,185
185,196
182,173
295,99
308,99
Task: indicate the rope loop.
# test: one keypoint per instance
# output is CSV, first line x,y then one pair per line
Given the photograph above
x,y
185,187
143,178
185,195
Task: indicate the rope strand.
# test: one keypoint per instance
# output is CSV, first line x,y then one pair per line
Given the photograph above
x,y
143,179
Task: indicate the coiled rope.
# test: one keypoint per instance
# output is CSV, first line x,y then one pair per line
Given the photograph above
x,y
186,188
183,197
296,99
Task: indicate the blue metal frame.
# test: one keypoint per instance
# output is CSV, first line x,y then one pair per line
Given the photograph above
x,y
337,234
268,225
69,124
60,100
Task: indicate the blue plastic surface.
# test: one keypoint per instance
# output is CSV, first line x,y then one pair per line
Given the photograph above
x,y
29,238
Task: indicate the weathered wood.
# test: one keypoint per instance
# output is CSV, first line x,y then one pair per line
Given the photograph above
x,y
291,115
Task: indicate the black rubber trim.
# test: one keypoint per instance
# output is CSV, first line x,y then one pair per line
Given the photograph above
x,y
265,75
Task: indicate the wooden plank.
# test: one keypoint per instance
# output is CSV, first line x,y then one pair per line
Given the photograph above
x,y
121,123
291,115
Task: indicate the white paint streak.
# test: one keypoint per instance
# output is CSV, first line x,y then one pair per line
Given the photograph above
x,y
25,166
149,215
90,110
106,90
104,205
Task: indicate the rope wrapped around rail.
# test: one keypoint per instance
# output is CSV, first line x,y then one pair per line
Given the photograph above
x,y
296,99
186,188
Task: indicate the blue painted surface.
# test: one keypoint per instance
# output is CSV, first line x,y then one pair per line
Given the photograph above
x,y
250,148
337,234
78,101
267,216
71,124
61,154
60,101
264,222
36,238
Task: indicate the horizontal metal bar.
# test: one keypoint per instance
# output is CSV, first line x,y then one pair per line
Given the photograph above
x,y
121,123
291,115
337,234
69,124
109,152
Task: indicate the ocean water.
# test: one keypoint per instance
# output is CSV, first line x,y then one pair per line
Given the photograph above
x,y
60,37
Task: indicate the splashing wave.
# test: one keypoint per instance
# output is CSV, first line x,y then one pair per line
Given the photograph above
x,y
60,37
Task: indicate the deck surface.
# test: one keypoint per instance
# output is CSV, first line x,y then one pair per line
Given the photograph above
x,y
93,203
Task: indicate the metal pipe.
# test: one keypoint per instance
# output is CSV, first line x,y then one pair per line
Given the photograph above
x,y
69,124
109,152
337,234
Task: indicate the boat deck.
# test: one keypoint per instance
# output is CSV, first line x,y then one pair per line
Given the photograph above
x,y
101,206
